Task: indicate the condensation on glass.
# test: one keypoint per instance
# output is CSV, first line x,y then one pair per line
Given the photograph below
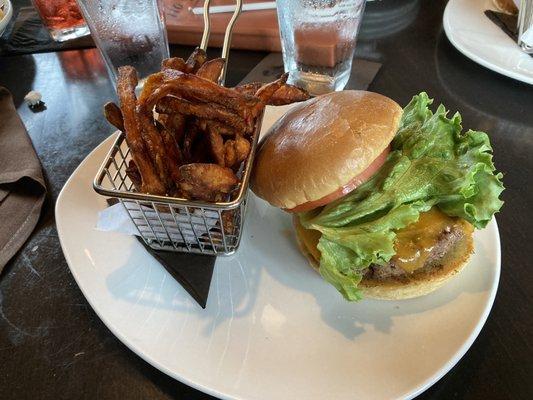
x,y
318,41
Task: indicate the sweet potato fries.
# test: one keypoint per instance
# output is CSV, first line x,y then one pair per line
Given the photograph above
x,y
188,136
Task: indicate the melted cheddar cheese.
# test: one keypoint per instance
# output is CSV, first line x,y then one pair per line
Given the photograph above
x,y
415,242
309,239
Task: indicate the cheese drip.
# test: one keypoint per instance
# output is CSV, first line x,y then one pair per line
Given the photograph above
x,y
415,242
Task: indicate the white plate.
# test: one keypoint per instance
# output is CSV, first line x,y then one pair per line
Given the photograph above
x,y
478,38
272,329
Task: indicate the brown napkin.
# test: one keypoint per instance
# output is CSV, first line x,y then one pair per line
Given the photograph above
x,y
22,187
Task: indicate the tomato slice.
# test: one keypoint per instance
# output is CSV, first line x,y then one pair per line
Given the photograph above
x,y
344,190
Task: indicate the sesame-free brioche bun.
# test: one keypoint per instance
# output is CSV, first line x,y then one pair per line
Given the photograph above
x,y
417,284
320,147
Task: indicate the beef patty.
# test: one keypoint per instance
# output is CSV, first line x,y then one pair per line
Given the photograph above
x,y
446,241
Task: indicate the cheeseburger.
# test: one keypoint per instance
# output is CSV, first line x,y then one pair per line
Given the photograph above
x,y
384,200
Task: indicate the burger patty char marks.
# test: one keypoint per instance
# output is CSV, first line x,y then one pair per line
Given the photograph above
x,y
448,238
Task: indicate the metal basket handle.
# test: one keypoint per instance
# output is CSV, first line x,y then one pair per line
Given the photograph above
x,y
227,35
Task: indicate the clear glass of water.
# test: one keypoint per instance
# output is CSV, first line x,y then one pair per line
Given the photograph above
x,y
525,26
318,40
128,32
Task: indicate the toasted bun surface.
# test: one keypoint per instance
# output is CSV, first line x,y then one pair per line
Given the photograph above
x,y
321,145
418,284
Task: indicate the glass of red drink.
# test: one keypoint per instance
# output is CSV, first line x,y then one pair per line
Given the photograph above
x,y
62,18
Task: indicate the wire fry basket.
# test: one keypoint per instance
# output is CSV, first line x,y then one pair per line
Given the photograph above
x,y
176,224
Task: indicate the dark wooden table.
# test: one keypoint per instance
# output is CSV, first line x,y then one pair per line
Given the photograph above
x,y
52,344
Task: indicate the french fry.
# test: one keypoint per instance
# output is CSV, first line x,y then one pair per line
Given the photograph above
x,y
191,131
195,60
177,63
211,69
285,94
288,94
168,105
126,83
151,83
194,88
135,176
217,146
114,116
249,88
236,151
230,155
156,148
175,158
242,148
228,220
223,129
268,90
208,182
175,124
